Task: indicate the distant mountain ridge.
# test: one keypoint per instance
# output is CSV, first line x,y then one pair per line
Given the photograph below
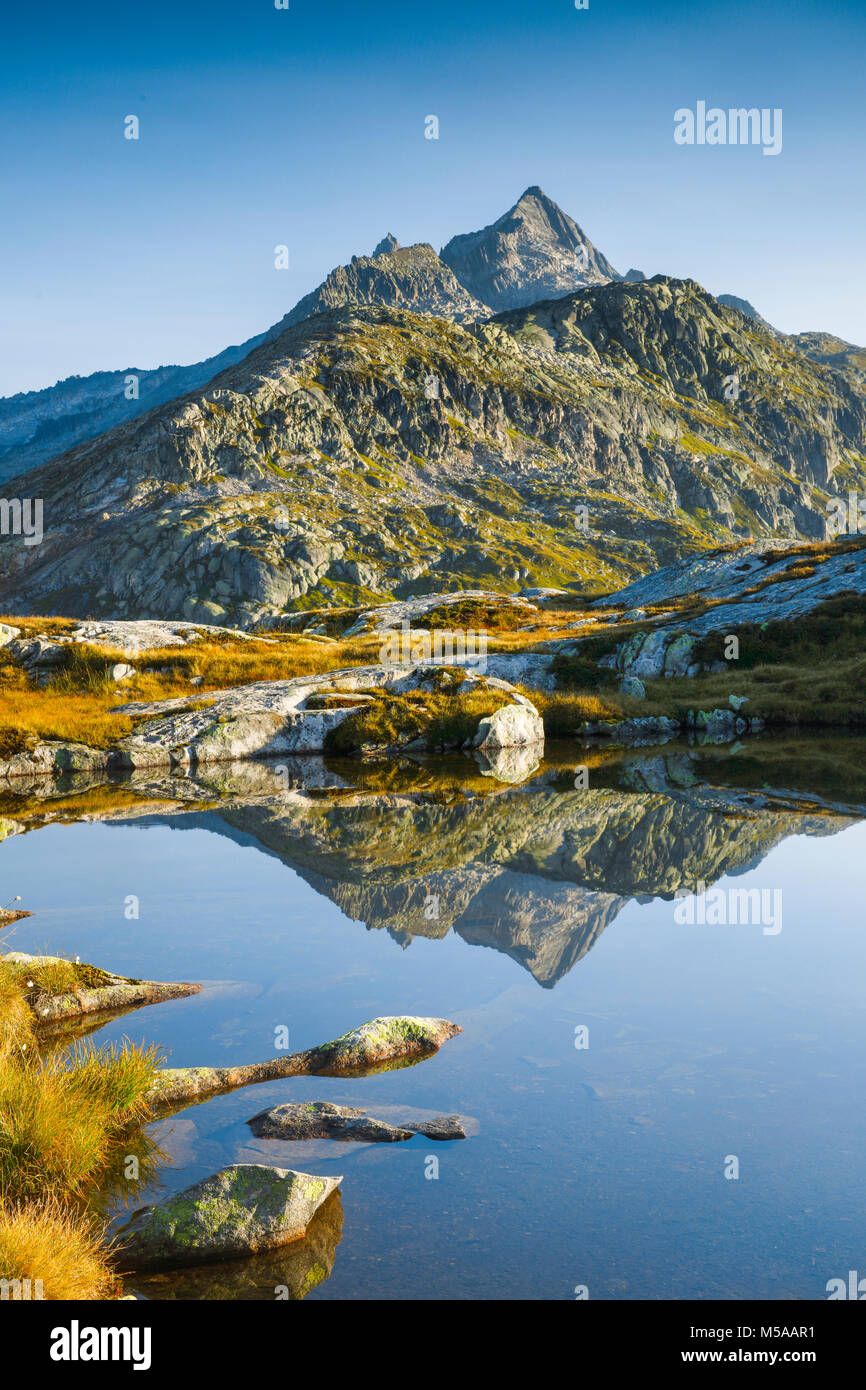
x,y
534,252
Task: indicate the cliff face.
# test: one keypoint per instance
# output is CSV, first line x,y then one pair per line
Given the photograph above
x,y
402,277
370,451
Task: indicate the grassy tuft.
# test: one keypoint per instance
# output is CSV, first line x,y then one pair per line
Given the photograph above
x,y
61,1116
62,1249
54,975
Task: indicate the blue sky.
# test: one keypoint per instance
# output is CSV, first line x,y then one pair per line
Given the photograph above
x,y
305,127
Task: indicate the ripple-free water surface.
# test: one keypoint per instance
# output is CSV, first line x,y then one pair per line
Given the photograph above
x,y
601,1166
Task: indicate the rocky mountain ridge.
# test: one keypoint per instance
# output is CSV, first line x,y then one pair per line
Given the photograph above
x,y
38,425
584,440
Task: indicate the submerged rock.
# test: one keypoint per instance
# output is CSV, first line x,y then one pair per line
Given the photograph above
x,y
319,1119
240,1211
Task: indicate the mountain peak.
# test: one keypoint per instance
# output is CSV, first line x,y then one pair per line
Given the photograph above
x,y
533,251
388,243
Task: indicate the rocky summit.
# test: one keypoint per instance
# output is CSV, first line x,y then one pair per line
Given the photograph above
x,y
534,251
370,453
38,425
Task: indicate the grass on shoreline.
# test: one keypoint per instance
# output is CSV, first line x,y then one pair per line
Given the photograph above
x,y
60,1252
76,702
66,1118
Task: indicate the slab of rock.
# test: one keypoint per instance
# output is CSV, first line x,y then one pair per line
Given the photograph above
x,y
240,1211
764,581
143,635
38,653
52,759
117,992
542,596
319,1119
379,1045
530,669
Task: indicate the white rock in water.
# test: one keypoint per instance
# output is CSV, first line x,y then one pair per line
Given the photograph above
x,y
512,726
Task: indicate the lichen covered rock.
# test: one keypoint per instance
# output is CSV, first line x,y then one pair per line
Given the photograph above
x,y
379,1045
240,1211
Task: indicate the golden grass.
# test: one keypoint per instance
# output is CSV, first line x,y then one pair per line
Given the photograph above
x,y
61,1115
16,1020
55,975
30,715
563,713
439,716
78,702
68,1119
61,1249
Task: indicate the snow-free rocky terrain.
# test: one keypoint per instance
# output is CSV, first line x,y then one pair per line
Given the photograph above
x,y
510,413
583,441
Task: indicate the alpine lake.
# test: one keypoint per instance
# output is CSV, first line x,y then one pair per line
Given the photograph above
x,y
656,955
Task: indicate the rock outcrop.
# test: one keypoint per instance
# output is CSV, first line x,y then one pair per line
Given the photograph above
x,y
280,717
763,582
288,1273
380,1045
107,994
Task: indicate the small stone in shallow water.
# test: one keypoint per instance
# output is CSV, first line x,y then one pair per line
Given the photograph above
x,y
319,1119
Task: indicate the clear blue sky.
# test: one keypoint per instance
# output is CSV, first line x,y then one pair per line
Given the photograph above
x,y
306,127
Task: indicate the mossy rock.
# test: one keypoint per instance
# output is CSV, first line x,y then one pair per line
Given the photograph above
x,y
239,1211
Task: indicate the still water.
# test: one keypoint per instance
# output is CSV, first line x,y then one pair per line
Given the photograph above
x,y
599,1166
